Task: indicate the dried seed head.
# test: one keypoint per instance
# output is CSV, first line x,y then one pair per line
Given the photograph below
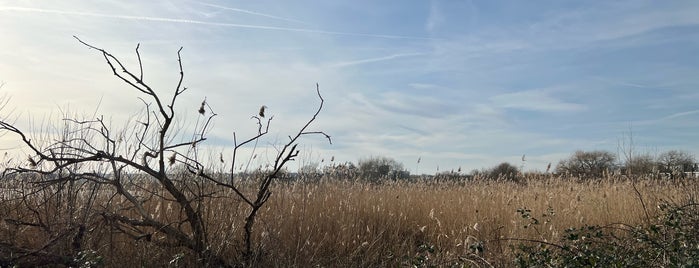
x,y
171,159
201,108
262,111
32,163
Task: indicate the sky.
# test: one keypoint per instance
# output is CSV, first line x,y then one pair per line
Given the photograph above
x,y
456,84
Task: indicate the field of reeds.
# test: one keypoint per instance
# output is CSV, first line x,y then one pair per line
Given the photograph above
x,y
333,223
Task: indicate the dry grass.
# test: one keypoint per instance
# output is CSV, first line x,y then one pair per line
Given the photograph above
x,y
350,224
359,225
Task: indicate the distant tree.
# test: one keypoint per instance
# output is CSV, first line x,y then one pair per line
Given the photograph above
x,y
309,168
675,163
344,171
584,164
376,169
643,164
504,171
310,172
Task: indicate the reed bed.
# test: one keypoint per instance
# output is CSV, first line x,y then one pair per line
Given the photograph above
x,y
335,223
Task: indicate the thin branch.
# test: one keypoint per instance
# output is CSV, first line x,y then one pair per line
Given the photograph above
x,y
140,63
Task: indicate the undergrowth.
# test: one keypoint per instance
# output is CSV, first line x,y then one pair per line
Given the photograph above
x,y
668,240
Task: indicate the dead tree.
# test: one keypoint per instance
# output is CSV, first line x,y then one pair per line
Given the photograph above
x,y
92,152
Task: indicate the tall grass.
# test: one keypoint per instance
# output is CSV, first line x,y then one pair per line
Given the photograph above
x,y
354,224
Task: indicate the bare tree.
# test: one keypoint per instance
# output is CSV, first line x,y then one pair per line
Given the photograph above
x,y
504,171
642,164
135,165
676,163
584,164
377,169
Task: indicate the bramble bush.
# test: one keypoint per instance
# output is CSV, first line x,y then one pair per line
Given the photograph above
x,y
670,240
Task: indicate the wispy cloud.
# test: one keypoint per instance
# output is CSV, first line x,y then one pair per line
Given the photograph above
x,y
534,100
681,114
188,21
423,86
377,59
681,123
251,12
628,84
435,17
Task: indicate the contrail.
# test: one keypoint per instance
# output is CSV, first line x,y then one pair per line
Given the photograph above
x,y
188,21
675,115
251,12
389,57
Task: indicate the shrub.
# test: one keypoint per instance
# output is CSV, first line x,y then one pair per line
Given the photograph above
x,y
670,241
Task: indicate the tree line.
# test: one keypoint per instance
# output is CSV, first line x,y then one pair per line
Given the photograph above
x,y
671,164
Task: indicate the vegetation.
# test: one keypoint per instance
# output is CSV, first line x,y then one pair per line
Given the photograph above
x,y
356,224
676,163
94,177
92,196
505,171
581,164
669,241
379,169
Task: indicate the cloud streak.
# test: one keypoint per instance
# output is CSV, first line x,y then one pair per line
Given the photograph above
x,y
435,18
534,100
373,60
251,12
681,114
198,22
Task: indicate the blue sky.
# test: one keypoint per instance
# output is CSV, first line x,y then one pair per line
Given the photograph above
x,y
464,84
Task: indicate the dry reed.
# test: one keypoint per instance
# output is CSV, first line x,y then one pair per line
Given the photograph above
x,y
352,224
